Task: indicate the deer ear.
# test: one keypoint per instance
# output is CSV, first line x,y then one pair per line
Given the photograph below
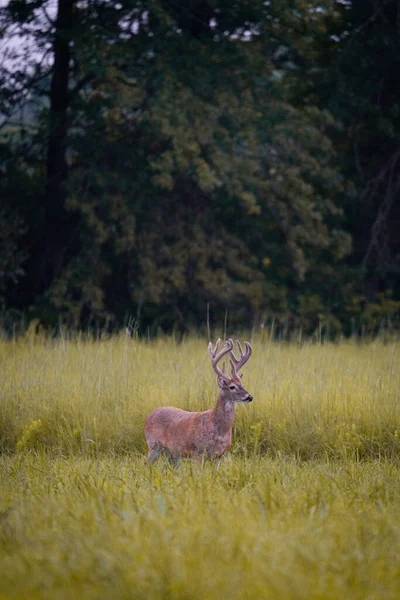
x,y
221,382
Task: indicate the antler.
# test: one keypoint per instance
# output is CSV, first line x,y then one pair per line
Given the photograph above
x,y
216,357
244,357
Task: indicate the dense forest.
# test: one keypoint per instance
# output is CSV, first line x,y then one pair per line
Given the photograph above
x,y
168,162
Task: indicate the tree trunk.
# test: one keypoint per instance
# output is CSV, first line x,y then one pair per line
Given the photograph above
x,y
58,223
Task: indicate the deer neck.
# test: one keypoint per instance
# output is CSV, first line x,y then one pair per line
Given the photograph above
x,y
224,413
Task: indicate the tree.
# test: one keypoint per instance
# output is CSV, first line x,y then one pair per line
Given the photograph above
x,y
184,172
357,82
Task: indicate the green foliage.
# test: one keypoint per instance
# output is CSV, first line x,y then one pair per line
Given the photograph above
x,y
11,254
381,314
34,436
201,155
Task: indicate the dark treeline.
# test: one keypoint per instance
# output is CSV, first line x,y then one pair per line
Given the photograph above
x,y
160,159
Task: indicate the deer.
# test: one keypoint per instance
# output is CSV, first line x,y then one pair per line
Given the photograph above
x,y
186,434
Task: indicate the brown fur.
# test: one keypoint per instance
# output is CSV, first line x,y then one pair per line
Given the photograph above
x,y
197,434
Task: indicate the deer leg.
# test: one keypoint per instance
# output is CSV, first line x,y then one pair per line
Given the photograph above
x,y
176,460
154,453
218,461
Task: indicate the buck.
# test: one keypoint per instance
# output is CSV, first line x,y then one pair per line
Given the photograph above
x,y
196,434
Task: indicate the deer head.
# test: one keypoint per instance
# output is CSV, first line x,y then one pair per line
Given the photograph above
x,y
231,387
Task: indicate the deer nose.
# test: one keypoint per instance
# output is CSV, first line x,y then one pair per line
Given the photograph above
x,y
249,398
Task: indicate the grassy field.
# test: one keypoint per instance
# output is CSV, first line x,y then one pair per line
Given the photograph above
x,y
306,505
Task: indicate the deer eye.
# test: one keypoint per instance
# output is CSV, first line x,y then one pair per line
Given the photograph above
x,y
232,387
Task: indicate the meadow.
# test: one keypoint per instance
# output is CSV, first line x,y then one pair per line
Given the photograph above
x,y
306,504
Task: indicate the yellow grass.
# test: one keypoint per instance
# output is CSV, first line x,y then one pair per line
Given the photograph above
x,y
306,505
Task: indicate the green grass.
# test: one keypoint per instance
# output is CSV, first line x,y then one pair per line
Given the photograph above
x,y
306,505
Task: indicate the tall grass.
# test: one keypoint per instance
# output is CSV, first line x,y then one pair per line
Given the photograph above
x,y
91,397
305,506
257,528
